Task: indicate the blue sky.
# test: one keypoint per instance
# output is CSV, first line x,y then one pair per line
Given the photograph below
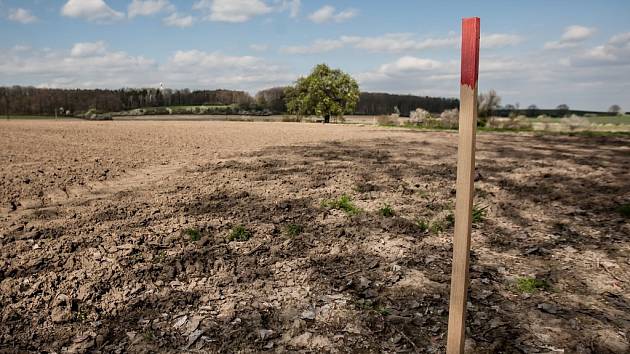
x,y
535,52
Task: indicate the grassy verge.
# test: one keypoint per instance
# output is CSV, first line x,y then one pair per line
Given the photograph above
x,y
30,117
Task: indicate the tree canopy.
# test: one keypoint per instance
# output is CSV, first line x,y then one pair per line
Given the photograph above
x,y
325,92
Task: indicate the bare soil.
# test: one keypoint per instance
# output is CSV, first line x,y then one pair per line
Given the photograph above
x,y
114,237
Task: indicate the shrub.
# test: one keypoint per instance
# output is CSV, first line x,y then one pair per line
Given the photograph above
x,y
450,118
419,116
576,122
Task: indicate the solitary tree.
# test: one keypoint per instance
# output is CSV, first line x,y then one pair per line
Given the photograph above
x,y
325,92
614,109
532,109
563,109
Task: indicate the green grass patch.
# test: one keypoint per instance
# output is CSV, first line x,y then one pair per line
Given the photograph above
x,y
422,225
437,226
624,210
293,230
343,203
478,214
148,335
368,305
610,120
31,117
530,285
193,234
386,211
240,234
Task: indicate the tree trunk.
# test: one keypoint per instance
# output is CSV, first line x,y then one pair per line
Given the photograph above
x,y
327,118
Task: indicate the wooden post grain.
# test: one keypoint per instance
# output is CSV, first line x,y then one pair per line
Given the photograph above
x,y
465,185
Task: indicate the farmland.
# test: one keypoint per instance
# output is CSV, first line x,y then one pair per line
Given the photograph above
x,y
215,236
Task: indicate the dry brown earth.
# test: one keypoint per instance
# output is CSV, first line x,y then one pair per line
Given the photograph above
x,y
94,257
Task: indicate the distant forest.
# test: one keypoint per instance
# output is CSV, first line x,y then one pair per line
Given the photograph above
x,y
18,100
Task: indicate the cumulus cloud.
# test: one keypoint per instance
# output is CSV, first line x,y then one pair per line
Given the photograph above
x,y
614,52
577,33
101,67
87,49
497,40
148,7
214,69
397,42
231,10
22,16
292,6
572,37
91,10
329,14
58,68
390,42
177,20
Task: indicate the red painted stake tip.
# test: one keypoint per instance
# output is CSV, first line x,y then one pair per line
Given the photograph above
x,y
470,51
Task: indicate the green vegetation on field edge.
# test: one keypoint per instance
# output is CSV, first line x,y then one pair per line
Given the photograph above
x,y
589,133
31,117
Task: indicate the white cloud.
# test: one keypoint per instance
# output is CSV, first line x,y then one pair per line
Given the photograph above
x,y
577,33
105,68
398,42
232,10
22,16
328,14
214,60
98,67
177,20
408,64
148,7
614,52
202,69
87,49
389,42
497,40
91,10
620,39
293,6
572,37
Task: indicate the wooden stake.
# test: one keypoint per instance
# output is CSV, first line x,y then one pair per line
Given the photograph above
x,y
465,185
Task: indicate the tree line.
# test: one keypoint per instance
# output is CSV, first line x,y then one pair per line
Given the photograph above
x,y
22,100
19,100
